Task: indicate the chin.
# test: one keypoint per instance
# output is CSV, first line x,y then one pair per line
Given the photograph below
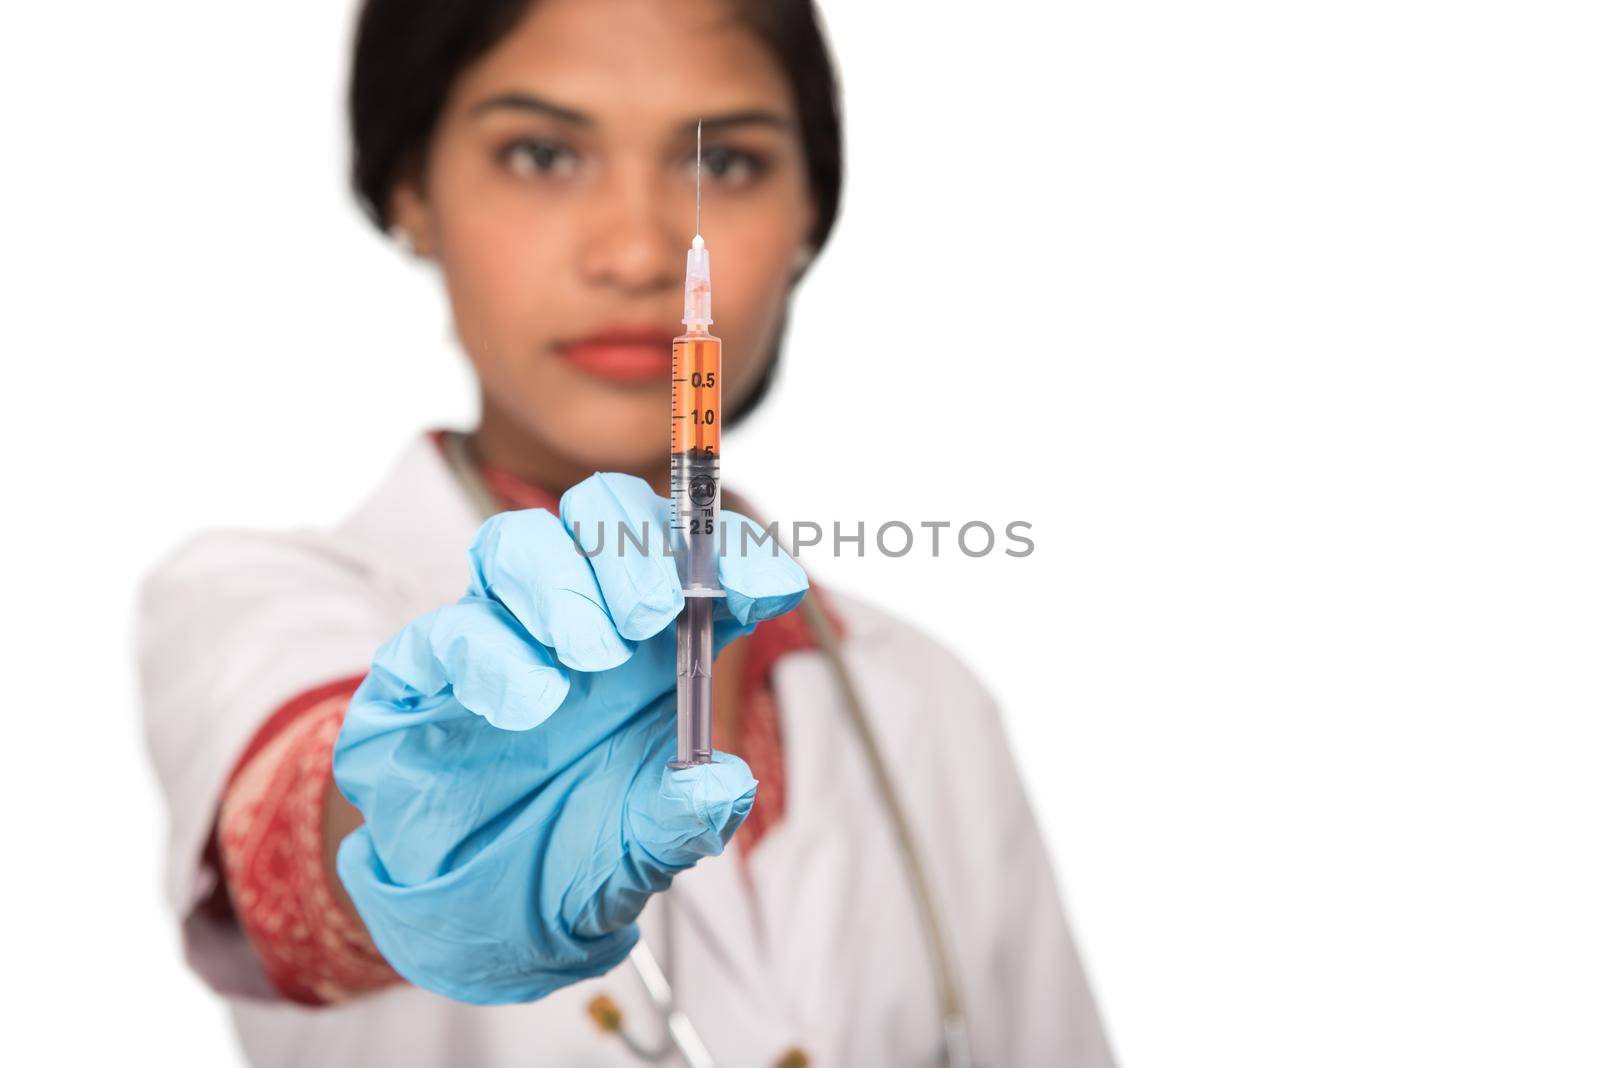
x,y
641,461
632,435
615,443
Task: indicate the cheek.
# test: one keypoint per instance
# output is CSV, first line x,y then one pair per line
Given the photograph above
x,y
497,266
750,297
488,295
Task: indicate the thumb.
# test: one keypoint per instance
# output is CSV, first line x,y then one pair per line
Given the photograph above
x,y
669,822
693,814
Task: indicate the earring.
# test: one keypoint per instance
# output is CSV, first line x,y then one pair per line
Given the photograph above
x,y
402,237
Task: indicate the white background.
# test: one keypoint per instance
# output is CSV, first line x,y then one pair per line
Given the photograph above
x,y
1278,321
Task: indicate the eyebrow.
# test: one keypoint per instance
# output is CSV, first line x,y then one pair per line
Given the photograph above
x,y
751,117
518,101
529,102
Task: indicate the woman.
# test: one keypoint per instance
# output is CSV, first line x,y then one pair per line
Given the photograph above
x,y
486,774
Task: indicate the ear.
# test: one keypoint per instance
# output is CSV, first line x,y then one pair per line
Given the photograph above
x,y
410,221
805,253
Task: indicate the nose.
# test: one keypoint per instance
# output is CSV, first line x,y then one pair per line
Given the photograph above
x,y
631,243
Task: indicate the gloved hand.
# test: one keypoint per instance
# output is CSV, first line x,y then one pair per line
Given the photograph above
x,y
509,752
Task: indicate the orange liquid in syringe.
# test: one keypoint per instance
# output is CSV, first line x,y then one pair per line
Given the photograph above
x,y
697,394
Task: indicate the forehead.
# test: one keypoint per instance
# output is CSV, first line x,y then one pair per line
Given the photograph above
x,y
632,61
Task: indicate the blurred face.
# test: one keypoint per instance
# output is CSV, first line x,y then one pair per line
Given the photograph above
x,y
557,197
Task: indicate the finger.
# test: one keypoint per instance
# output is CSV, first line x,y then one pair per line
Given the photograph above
x,y
527,561
493,671
479,652
761,579
641,587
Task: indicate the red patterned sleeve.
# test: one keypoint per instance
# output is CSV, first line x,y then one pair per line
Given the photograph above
x,y
269,838
760,725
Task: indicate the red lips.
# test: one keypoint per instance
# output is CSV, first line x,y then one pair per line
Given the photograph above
x,y
622,354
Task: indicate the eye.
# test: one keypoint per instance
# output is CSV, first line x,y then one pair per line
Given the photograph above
x,y
534,157
731,167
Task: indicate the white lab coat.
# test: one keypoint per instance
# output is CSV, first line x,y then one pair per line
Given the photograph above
x,y
827,955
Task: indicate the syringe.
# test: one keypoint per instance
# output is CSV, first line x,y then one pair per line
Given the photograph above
x,y
696,492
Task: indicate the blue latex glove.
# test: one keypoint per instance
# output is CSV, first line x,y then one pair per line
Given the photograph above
x,y
509,752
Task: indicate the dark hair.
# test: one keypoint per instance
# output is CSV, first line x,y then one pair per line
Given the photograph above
x,y
408,53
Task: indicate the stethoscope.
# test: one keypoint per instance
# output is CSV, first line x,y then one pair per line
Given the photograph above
x,y
681,1034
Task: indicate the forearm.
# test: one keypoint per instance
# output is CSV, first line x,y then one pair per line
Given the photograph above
x,y
278,831
339,818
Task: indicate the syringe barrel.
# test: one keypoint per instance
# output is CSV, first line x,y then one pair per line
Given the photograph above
x,y
696,529
696,458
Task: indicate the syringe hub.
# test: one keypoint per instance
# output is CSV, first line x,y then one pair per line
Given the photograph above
x,y
697,285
